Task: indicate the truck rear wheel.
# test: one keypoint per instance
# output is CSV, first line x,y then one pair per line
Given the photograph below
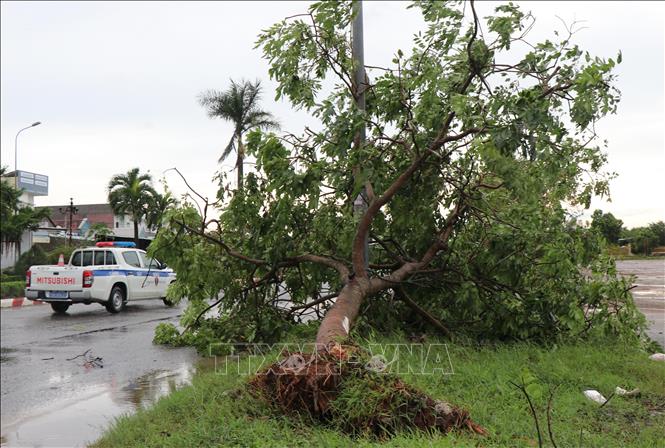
x,y
60,308
116,301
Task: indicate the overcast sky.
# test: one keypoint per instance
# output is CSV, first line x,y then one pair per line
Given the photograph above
x,y
115,85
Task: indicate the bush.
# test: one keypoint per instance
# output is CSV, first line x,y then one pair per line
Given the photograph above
x,y
12,289
10,278
166,334
34,256
37,256
63,249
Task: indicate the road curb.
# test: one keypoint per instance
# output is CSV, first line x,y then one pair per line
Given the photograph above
x,y
17,302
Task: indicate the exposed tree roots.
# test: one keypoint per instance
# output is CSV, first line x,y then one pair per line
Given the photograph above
x,y
338,387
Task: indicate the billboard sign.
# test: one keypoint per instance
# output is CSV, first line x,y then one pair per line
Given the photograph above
x,y
36,184
41,238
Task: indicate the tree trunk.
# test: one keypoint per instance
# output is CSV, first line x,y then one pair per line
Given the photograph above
x,y
136,232
339,319
309,382
240,162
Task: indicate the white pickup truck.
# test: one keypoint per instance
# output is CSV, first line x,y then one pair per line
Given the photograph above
x,y
111,273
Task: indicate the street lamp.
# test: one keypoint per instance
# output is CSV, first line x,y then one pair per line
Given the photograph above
x,y
36,123
72,211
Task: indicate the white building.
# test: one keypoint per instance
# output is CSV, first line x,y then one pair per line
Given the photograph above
x,y
32,185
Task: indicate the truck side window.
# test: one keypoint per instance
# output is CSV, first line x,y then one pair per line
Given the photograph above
x,y
99,258
110,259
148,262
87,258
76,259
131,259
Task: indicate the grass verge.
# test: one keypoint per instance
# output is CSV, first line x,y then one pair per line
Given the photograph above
x,y
212,412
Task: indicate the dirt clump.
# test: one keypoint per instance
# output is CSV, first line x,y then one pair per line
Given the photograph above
x,y
339,386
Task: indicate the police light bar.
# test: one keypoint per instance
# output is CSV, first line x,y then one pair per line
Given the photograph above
x,y
116,244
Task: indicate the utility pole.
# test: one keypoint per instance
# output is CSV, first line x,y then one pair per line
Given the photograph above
x,y
72,211
360,204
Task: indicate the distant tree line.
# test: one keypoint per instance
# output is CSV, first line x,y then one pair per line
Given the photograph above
x,y
642,239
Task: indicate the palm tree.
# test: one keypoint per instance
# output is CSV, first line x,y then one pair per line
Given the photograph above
x,y
238,104
159,203
131,194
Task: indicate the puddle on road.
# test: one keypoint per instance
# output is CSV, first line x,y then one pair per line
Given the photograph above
x,y
9,354
4,354
82,420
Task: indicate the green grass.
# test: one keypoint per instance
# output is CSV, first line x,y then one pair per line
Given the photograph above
x,y
211,413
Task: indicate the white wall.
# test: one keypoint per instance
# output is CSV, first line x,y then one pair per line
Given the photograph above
x,y
9,255
126,227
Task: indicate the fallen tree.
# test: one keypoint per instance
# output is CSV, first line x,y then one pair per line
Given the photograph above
x,y
473,156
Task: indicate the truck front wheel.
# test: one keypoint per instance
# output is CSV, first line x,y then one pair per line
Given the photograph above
x,y
116,300
166,301
60,308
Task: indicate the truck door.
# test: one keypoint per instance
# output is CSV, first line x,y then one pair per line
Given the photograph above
x,y
155,283
136,275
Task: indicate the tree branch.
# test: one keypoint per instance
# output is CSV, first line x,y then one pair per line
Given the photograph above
x,y
315,302
339,266
222,244
399,275
291,261
401,294
358,257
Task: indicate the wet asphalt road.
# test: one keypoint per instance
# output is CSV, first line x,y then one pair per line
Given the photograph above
x,y
649,293
38,380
